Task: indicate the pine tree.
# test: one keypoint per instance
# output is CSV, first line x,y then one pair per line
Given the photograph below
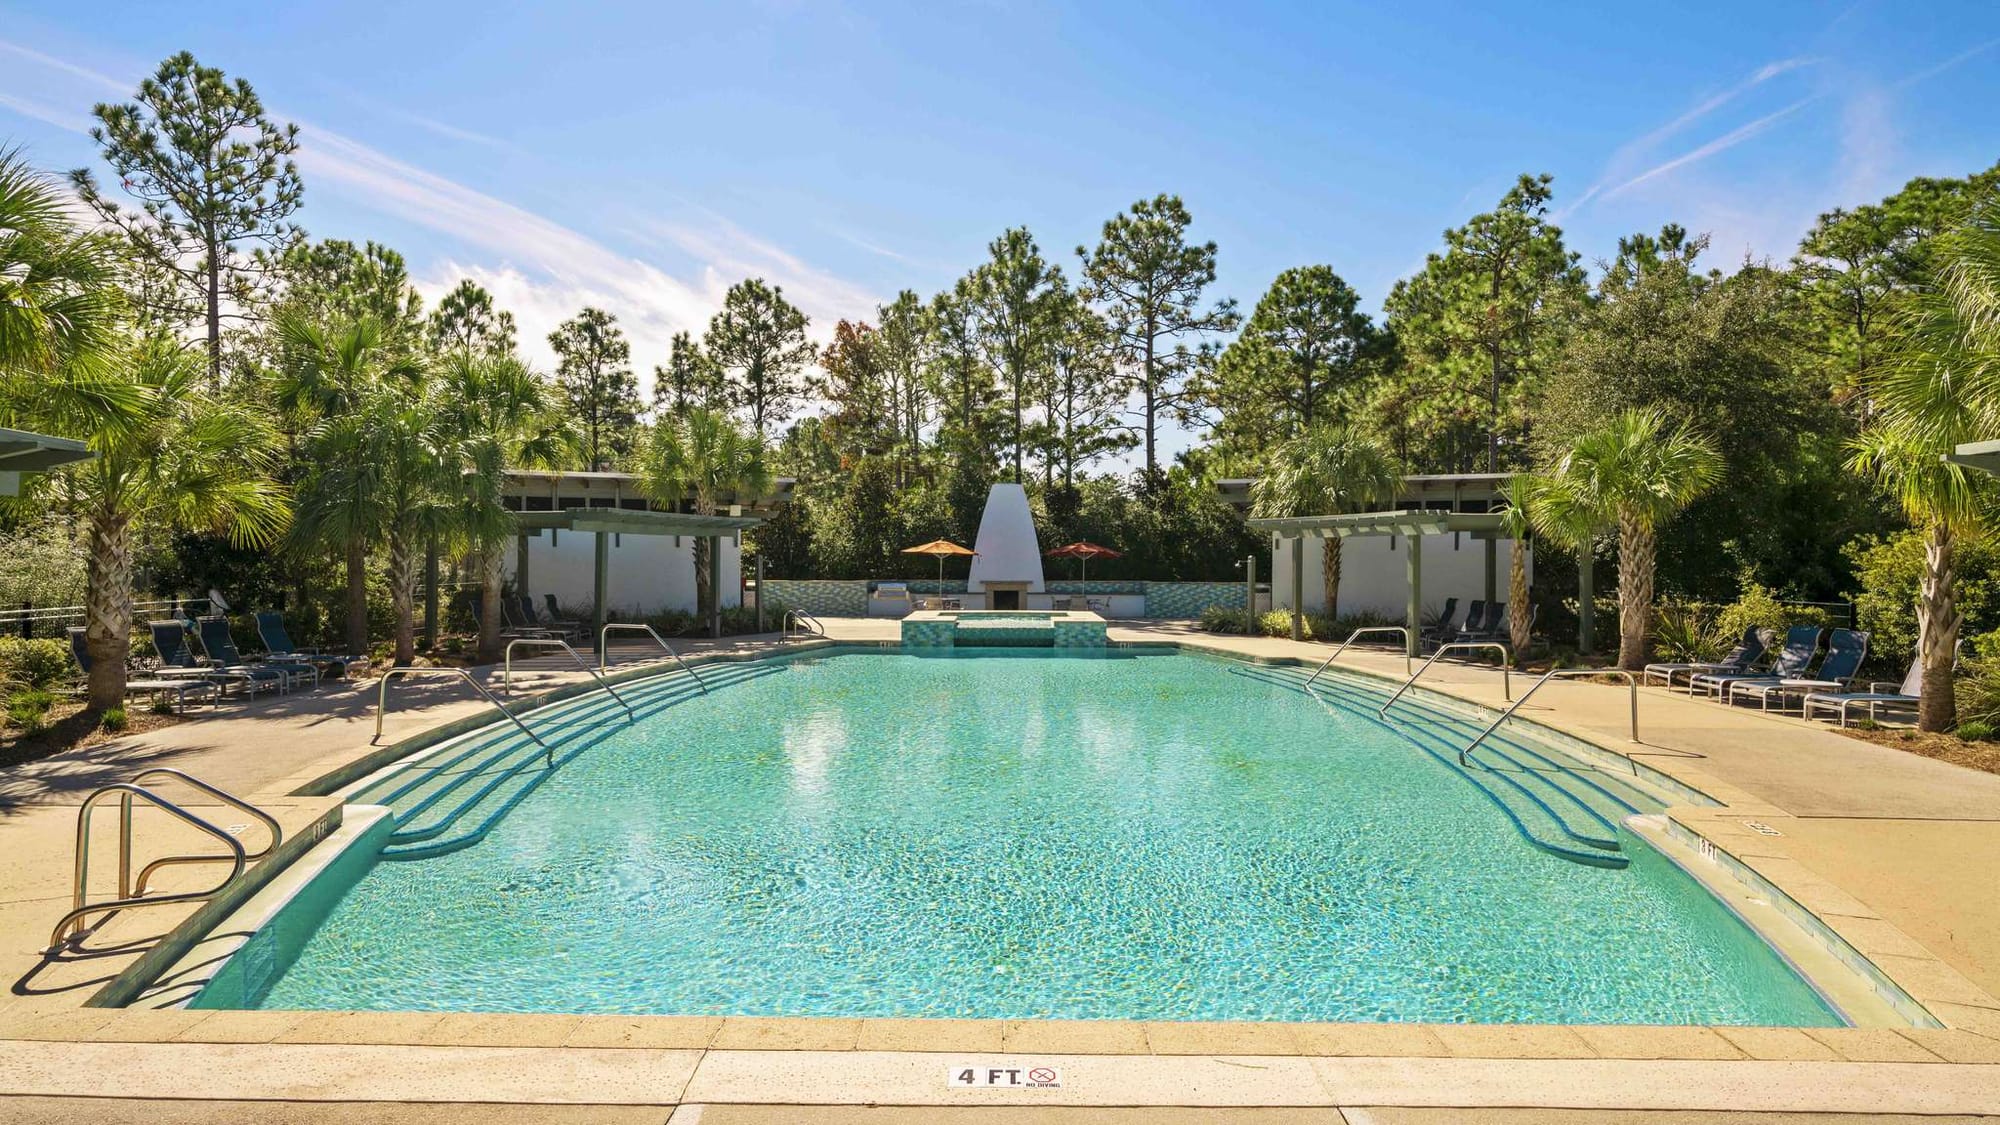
x,y
215,183
594,374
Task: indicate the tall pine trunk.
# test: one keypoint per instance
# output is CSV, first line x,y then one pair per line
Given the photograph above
x,y
491,560
357,595
107,623
1938,621
403,594
1329,557
1636,557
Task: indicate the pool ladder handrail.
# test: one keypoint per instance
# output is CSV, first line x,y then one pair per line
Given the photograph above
x,y
1399,630
1506,662
507,668
604,649
382,701
132,892
1631,684
806,622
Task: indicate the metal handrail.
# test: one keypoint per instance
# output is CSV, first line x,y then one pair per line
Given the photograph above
x,y
1399,630
807,622
1553,673
382,701
507,673
1506,661
82,909
604,649
269,822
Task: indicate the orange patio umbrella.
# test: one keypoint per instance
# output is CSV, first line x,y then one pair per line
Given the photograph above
x,y
1083,552
939,549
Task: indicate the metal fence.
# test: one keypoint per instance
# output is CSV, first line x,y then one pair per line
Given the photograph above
x,y
50,620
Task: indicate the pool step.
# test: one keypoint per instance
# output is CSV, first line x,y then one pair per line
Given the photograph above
x,y
453,801
1567,807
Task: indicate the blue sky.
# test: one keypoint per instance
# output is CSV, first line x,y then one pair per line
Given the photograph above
x,y
645,156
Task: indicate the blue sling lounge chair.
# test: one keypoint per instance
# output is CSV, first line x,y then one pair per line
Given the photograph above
x,y
1801,645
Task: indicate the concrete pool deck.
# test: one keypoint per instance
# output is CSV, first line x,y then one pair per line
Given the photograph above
x,y
1896,854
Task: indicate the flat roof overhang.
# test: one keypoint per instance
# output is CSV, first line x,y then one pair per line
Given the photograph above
x,y
625,521
24,452
1479,525
1981,455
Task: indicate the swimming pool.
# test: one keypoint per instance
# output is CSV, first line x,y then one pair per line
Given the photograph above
x,y
1135,834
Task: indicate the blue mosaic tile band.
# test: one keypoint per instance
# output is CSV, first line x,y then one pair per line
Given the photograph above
x,y
1189,599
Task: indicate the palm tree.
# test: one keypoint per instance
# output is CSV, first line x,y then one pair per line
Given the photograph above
x,y
500,414
699,456
332,379
182,457
1517,499
1328,470
1939,388
419,462
1635,472
59,299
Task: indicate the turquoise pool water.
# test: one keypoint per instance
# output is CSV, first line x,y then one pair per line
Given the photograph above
x,y
1141,836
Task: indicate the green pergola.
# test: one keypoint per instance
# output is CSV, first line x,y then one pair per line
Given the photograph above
x,y
1413,524
603,523
1981,455
23,452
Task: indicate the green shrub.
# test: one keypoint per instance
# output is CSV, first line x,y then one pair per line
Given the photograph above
x,y
1887,571
1689,632
1218,619
1978,693
29,710
1760,606
113,720
41,662
161,705
1977,731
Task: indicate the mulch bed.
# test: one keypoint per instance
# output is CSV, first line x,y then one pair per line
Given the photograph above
x,y
1944,747
70,729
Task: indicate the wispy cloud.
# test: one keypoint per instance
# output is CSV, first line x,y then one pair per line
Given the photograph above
x,y
1618,169
1961,58
1723,143
538,268
46,114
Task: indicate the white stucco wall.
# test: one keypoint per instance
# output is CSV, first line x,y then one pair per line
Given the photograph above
x,y
1007,550
646,573
1374,575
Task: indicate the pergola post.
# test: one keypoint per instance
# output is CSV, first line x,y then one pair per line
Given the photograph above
x,y
1299,588
760,591
431,592
521,563
715,586
1492,552
1414,613
600,591
1586,601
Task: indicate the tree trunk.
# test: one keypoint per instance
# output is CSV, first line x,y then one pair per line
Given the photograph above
x,y
1636,554
702,565
1329,557
1938,621
403,595
1519,612
357,596
107,623
492,561
214,314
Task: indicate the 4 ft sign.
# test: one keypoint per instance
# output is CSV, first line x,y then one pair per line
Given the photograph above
x,y
1005,1077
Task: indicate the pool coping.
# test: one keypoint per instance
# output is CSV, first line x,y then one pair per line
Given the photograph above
x,y
1970,1018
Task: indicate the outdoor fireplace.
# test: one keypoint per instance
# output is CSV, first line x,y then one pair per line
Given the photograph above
x,y
1007,563
1005,595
